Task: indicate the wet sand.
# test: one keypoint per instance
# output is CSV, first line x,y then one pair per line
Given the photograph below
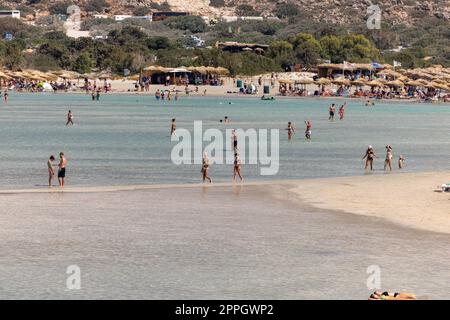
x,y
207,243
410,199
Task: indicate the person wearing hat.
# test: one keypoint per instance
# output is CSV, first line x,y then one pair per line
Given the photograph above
x,y
369,156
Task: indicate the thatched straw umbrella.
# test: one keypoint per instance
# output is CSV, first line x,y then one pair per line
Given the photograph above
x,y
304,80
223,71
286,81
375,83
342,81
134,77
156,69
414,83
5,76
395,83
323,82
389,72
440,86
358,83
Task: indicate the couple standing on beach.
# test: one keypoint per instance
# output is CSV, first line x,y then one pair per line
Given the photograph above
x,y
61,170
236,164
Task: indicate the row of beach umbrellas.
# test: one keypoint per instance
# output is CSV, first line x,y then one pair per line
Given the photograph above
x,y
401,82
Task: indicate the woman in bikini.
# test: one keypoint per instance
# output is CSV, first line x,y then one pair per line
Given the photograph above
x,y
388,160
291,131
369,156
237,167
205,167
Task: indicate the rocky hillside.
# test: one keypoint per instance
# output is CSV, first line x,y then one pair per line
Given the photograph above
x,y
333,11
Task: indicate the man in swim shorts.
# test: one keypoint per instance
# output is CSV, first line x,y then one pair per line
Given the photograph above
x,y
62,169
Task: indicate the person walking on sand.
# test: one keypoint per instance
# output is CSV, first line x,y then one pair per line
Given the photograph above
x,y
400,161
342,111
388,160
331,111
51,171
69,118
369,156
237,167
173,128
308,130
205,167
290,130
62,169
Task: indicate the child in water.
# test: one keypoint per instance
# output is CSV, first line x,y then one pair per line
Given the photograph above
x,y
400,162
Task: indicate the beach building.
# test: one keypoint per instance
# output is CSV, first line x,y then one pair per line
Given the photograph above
x,y
163,15
10,14
184,75
232,46
121,17
353,70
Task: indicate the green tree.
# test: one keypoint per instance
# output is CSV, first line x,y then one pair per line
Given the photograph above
x,y
246,10
83,64
286,10
194,24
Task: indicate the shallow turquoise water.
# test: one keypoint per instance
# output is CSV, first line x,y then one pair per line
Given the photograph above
x,y
124,139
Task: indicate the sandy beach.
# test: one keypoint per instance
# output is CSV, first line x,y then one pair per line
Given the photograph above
x,y
409,199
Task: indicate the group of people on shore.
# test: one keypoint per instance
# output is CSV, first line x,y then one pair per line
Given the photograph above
x,y
370,156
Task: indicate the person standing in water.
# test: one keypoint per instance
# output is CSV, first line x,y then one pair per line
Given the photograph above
x,y
51,171
290,130
234,140
331,111
308,130
176,96
342,111
97,97
157,95
69,118
205,167
173,128
237,167
62,169
388,160
5,96
369,156
400,162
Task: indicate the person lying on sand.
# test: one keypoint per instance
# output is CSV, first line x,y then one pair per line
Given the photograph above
x,y
377,295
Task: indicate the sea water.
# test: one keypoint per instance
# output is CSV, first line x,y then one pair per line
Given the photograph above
x,y
125,139
200,242
207,243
